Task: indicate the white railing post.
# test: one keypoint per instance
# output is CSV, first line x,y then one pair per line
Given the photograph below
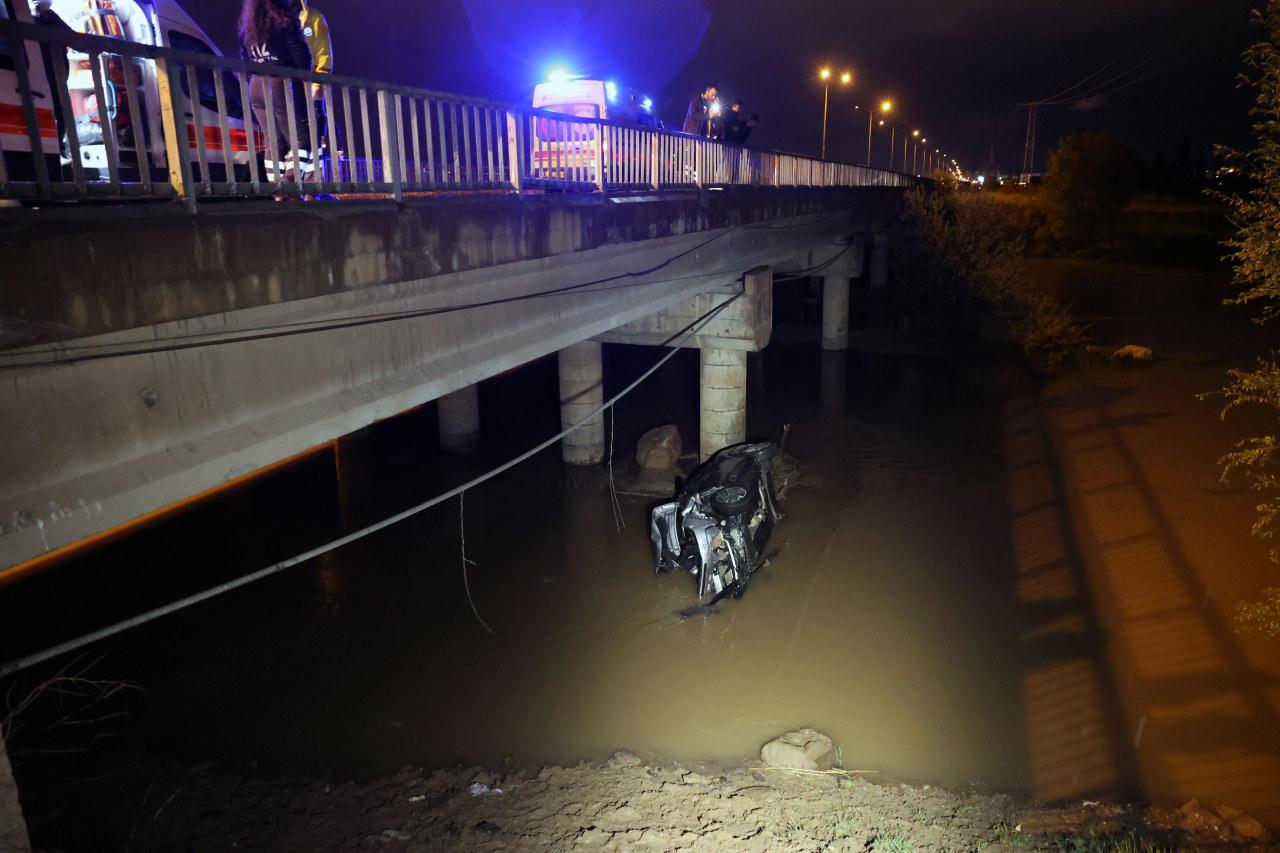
x,y
174,124
515,152
389,129
655,162
597,148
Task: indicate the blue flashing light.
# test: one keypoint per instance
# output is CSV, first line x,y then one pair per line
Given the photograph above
x,y
647,104
559,74
611,90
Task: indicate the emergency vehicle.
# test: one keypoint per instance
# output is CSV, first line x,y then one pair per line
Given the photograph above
x,y
159,22
559,148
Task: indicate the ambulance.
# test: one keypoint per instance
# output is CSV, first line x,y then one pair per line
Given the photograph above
x,y
567,151
152,22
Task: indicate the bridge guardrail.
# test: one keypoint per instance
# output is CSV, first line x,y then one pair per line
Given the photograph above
x,y
127,120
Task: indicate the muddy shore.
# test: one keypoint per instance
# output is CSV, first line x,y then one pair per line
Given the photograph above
x,y
627,805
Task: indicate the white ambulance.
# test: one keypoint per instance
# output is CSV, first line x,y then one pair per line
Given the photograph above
x,y
566,151
155,22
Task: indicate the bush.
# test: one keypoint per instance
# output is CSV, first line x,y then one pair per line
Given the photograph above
x,y
962,269
1255,216
1092,176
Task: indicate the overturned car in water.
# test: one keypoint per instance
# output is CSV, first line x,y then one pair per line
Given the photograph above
x,y
717,527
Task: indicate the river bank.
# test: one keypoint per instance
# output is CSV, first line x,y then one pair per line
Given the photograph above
x,y
627,805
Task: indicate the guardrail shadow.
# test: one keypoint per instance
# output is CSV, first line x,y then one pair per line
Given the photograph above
x,y
1132,683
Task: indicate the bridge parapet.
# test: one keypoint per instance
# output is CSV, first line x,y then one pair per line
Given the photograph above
x,y
397,140
92,271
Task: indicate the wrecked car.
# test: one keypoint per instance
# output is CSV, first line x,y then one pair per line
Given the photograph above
x,y
717,527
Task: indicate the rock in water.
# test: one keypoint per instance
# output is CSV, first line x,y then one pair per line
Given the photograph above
x,y
805,749
1133,352
659,448
623,758
1243,825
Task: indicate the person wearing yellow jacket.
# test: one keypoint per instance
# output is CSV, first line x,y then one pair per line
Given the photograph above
x,y
315,29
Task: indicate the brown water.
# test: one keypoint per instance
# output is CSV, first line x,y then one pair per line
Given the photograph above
x,y
996,586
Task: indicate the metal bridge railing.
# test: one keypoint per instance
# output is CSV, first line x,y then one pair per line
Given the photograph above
x,y
119,119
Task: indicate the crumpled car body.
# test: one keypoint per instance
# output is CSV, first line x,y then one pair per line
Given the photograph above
x,y
718,525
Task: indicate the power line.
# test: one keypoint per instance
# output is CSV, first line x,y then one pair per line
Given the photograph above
x,y
675,342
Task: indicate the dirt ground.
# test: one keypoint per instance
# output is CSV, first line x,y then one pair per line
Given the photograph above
x,y
627,805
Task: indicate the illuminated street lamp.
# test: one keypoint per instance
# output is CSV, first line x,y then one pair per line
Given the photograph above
x,y
885,107
915,151
825,76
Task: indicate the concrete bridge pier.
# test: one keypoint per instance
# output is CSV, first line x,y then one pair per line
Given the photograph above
x,y
581,393
835,297
723,406
835,311
459,415
833,382
13,829
879,260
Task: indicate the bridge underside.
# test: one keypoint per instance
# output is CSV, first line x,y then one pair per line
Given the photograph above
x,y
194,350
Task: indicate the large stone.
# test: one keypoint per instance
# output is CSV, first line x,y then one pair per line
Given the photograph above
x,y
659,448
1133,352
1195,816
804,749
1243,825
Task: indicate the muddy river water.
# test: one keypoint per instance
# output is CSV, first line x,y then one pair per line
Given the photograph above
x,y
985,582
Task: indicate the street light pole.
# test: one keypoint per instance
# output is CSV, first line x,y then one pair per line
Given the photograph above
x,y
885,107
893,143
871,115
825,75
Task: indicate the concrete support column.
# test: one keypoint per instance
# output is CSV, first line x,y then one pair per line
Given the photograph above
x,y
13,829
724,400
833,382
581,393
835,310
459,414
880,261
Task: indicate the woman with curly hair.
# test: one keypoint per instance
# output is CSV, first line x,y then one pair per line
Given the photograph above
x,y
270,34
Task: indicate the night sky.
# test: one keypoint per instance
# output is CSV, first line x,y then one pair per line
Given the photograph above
x,y
956,68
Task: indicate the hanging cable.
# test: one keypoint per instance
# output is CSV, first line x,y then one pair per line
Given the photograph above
x,y
462,541
675,341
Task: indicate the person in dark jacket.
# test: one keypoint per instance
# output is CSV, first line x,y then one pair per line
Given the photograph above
x,y
43,15
738,124
701,116
270,34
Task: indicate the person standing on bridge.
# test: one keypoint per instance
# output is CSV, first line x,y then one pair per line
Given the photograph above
x,y
702,113
44,16
270,33
315,29
738,124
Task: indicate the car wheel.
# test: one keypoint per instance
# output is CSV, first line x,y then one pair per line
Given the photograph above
x,y
729,501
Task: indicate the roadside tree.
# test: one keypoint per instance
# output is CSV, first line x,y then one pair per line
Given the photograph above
x,y
1255,258
1092,176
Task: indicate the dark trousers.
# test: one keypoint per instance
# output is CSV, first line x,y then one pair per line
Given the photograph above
x,y
280,115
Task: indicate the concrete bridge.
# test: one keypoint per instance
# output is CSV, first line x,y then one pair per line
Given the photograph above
x,y
151,355
185,335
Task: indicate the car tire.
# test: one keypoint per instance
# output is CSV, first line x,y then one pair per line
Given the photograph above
x,y
729,501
